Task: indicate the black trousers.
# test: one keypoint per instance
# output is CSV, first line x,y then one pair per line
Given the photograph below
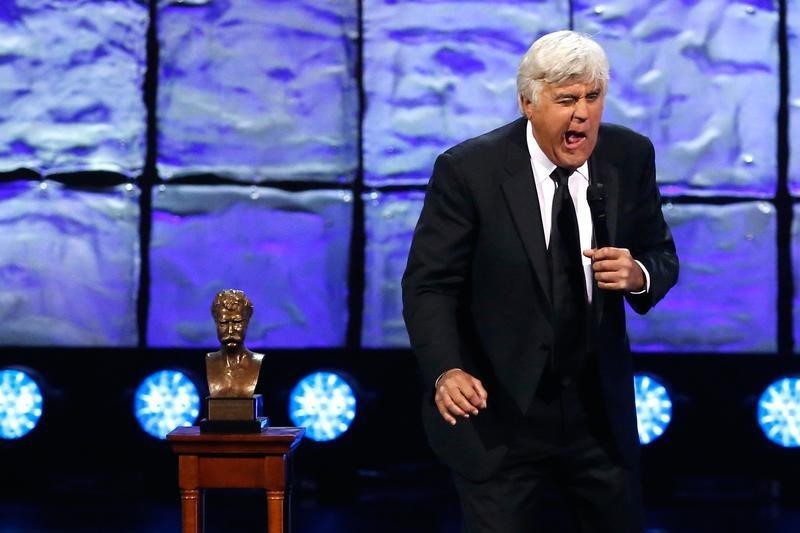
x,y
561,443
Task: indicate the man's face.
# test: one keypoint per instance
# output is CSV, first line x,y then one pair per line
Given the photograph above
x,y
565,120
231,327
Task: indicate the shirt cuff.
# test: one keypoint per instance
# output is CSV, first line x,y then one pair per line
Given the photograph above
x,y
646,281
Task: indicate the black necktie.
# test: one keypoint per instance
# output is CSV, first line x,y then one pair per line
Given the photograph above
x,y
568,285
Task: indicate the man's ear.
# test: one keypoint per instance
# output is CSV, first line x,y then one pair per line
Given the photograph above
x,y
526,105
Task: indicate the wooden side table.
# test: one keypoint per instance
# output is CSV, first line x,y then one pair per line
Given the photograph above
x,y
235,461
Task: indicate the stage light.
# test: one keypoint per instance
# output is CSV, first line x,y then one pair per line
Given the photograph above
x,y
779,412
165,400
20,403
323,403
653,407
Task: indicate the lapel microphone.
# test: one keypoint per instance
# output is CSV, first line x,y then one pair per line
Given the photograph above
x,y
596,197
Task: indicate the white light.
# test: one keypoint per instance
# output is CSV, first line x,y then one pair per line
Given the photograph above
x,y
20,403
165,400
778,410
324,404
653,407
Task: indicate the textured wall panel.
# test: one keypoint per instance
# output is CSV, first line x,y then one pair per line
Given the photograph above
x,y
287,251
69,265
726,297
699,78
390,220
438,72
793,31
258,89
713,308
71,77
796,277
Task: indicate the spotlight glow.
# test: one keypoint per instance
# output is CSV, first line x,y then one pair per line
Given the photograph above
x,y
653,407
779,412
165,400
324,404
20,403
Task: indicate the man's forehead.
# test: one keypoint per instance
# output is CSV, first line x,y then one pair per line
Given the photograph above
x,y
573,86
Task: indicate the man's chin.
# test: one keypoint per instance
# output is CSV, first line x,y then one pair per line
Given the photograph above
x,y
572,159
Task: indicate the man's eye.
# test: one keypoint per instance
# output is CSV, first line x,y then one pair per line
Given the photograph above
x,y
591,97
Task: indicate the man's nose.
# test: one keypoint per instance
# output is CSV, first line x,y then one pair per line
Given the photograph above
x,y
581,109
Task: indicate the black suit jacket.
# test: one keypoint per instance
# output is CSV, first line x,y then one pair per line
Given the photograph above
x,y
475,287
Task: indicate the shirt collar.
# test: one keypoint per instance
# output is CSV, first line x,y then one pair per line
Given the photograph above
x,y
541,161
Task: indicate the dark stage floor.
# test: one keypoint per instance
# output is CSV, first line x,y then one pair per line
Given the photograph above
x,y
374,508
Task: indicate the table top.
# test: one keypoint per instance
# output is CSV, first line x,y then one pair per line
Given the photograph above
x,y
188,439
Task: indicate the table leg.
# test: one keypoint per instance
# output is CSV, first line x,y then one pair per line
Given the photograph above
x,y
275,511
192,510
287,509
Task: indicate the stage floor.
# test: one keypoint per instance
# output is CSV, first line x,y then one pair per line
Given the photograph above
x,y
384,510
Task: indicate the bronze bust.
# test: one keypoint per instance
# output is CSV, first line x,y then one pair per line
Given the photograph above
x,y
233,370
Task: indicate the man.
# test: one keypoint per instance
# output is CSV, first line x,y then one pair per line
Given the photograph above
x,y
233,370
520,339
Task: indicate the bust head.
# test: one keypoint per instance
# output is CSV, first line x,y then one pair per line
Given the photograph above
x,y
233,370
231,310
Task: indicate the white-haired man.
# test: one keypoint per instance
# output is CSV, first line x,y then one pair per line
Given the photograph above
x,y
514,300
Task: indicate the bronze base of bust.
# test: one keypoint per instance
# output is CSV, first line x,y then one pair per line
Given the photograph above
x,y
234,407
234,414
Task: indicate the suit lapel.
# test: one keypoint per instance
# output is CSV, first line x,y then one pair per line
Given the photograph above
x,y
520,192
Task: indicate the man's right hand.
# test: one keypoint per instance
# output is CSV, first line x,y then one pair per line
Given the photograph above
x,y
458,394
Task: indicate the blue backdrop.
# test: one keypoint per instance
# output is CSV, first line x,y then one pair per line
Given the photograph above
x,y
153,154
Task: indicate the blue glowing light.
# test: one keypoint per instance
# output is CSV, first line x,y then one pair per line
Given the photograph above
x,y
653,407
779,412
20,403
165,400
324,404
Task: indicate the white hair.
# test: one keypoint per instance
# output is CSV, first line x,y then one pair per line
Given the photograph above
x,y
558,58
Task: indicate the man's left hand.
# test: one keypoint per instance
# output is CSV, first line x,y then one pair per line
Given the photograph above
x,y
615,269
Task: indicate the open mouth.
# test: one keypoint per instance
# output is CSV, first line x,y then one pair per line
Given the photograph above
x,y
573,138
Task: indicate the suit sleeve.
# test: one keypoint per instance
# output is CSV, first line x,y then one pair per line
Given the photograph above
x,y
437,273
652,242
